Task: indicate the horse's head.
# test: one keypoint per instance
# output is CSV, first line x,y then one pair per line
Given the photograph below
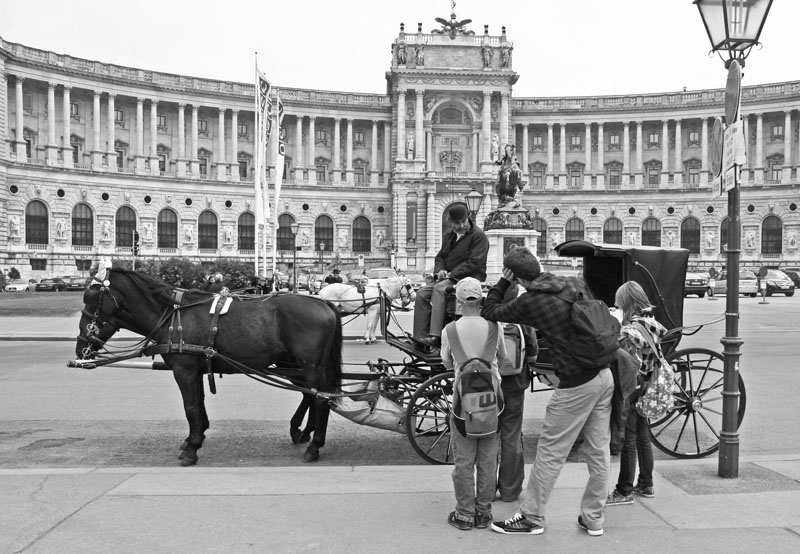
x,y
407,293
98,318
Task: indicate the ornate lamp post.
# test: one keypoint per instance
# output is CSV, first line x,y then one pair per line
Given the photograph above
x,y
733,26
294,227
474,199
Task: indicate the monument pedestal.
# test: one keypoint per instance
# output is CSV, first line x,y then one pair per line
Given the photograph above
x,y
500,241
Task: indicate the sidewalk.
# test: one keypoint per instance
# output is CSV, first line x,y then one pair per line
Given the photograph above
x,y
380,509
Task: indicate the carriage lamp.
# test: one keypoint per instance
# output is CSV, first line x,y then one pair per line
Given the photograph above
x,y
294,227
474,199
733,26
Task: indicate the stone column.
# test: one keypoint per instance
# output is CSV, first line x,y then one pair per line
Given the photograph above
x,y
401,211
19,140
486,128
787,147
52,145
704,151
562,154
525,148
475,150
664,151
154,170
140,155
181,168
349,152
401,125
677,169
387,150
373,157
222,164
312,143
234,158
66,147
337,150
639,178
550,156
431,229
759,165
626,153
504,139
600,169
298,149
194,160
587,170
419,120
428,151
111,154
97,151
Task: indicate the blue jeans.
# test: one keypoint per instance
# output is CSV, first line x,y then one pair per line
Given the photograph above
x,y
430,309
475,467
583,409
511,468
636,445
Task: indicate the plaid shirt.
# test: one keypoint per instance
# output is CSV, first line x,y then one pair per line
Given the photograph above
x,y
542,309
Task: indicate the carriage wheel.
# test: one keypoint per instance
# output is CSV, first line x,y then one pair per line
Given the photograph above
x,y
427,419
691,429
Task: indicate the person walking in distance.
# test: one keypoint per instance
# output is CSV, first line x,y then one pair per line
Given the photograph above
x,y
638,325
581,405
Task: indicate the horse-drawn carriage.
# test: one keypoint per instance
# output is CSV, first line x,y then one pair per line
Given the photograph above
x,y
294,342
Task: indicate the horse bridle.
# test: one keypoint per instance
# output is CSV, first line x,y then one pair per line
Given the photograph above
x,y
93,339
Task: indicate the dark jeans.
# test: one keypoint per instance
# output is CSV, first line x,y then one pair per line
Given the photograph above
x,y
511,469
636,446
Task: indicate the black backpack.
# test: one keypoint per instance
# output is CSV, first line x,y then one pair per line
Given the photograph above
x,y
593,332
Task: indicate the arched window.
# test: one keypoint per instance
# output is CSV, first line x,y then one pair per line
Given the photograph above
x,y
573,230
36,222
362,234
167,229
690,235
323,233
284,234
772,235
651,232
723,236
247,231
612,231
82,225
540,225
207,235
125,225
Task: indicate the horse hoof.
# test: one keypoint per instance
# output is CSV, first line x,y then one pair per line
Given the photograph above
x,y
296,435
310,457
305,437
184,445
188,460
182,455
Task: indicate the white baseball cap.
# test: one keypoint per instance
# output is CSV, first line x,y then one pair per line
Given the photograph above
x,y
468,288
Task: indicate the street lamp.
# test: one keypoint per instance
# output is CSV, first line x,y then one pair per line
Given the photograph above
x,y
732,26
294,227
474,199
322,257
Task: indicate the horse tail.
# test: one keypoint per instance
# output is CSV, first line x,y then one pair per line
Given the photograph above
x,y
334,369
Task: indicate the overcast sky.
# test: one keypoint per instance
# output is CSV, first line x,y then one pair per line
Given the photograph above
x,y
561,47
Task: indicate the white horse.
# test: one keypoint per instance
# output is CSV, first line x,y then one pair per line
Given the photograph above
x,y
352,302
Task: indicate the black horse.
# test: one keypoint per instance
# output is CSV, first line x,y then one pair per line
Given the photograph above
x,y
286,330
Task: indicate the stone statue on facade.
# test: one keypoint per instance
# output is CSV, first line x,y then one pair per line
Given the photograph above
x,y
419,51
453,26
487,52
505,56
401,54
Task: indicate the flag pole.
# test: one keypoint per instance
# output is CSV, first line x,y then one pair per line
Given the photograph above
x,y
257,170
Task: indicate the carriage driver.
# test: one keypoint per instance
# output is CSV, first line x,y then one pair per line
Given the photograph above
x,y
463,254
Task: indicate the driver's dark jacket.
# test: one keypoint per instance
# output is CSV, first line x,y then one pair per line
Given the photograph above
x,y
542,309
465,258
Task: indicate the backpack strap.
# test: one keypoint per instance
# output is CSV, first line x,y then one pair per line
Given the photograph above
x,y
458,348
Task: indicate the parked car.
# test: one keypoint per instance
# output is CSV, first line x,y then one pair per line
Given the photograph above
x,y
32,284
378,275
51,284
748,283
777,281
794,275
417,280
17,285
75,283
695,283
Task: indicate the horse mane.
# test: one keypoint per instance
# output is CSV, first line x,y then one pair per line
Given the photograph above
x,y
158,293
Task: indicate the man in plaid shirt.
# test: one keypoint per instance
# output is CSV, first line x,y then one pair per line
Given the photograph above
x,y
581,403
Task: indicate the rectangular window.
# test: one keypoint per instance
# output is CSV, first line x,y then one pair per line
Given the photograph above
x,y
203,166
119,118
358,138
162,163
653,176
120,157
536,142
654,139
202,126
613,141
694,137
242,130
322,173
83,265
536,179
38,264
321,136
74,111
614,178
575,141
776,172
75,153
777,132
694,177
162,122
27,103
575,178
242,168
359,175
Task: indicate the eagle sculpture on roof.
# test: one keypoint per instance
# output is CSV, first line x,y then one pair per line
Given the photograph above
x,y
453,26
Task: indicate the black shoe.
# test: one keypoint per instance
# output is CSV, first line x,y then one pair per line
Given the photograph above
x,y
518,524
482,521
458,523
592,532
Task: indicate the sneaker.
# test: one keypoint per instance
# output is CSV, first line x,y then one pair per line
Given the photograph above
x,y
616,498
647,492
518,524
482,521
460,524
592,532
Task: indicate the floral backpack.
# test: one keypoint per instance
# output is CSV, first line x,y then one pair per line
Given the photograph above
x,y
657,399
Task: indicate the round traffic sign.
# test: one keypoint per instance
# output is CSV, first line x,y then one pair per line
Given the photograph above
x,y
717,141
733,91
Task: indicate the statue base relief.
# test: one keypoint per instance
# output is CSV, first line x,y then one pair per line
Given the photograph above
x,y
504,227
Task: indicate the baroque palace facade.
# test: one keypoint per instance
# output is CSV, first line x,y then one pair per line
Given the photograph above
x,y
91,151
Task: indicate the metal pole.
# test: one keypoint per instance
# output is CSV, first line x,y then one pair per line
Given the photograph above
x,y
294,266
729,436
133,246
